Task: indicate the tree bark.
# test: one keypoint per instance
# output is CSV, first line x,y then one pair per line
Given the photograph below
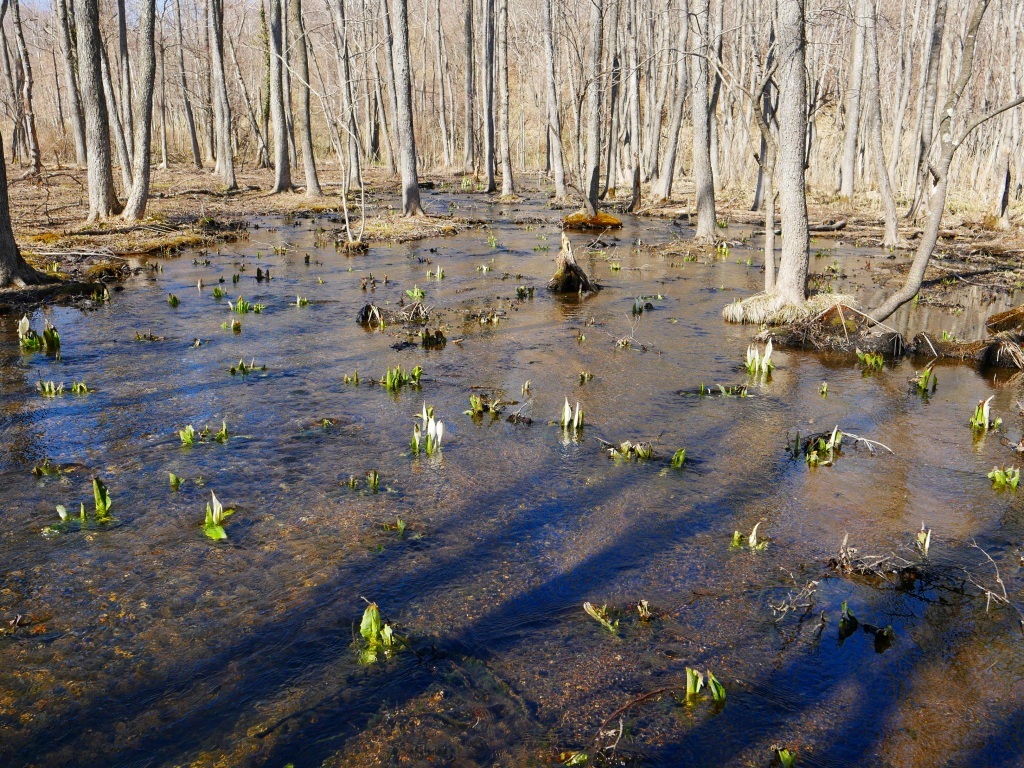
x,y
124,66
488,74
35,157
120,141
225,167
67,50
666,174
135,207
702,114
102,199
554,127
873,124
791,282
505,148
469,159
592,172
302,69
854,83
13,268
282,164
406,133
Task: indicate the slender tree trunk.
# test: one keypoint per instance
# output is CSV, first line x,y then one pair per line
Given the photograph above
x,y
35,157
554,130
102,199
446,143
469,159
668,158
702,115
348,98
930,96
791,281
488,73
135,207
222,106
120,141
389,63
873,124
505,150
853,103
163,104
124,66
302,70
592,174
67,49
406,134
282,165
190,119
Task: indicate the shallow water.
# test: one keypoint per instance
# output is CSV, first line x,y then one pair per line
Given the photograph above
x,y
142,643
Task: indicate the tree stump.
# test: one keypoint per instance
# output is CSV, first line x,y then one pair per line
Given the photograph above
x,y
569,276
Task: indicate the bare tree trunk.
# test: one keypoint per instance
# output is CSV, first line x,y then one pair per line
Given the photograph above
x,y
488,73
668,158
930,96
120,142
853,100
348,99
67,49
592,173
505,151
35,158
469,159
302,69
1004,200
406,133
163,103
222,106
13,268
446,143
702,114
102,199
135,207
791,282
124,66
873,123
189,116
554,128
389,62
282,165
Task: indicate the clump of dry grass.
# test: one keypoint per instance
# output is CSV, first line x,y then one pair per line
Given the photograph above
x,y
771,309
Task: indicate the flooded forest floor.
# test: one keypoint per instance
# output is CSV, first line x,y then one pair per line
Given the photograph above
x,y
838,547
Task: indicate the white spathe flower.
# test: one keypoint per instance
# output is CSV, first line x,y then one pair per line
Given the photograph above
x,y
23,327
440,432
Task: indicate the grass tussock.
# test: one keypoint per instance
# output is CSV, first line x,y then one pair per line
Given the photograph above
x,y
770,309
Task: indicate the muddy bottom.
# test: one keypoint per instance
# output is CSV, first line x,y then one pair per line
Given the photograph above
x,y
139,641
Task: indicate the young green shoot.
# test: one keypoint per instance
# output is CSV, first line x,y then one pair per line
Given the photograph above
x,y
758,364
174,481
821,452
244,370
415,293
982,420
101,499
823,391
600,615
694,684
222,436
427,438
679,458
188,436
373,481
872,361
173,300
751,542
301,302
216,515
396,378
50,389
379,640
79,388
1004,477
716,688
924,540
925,382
